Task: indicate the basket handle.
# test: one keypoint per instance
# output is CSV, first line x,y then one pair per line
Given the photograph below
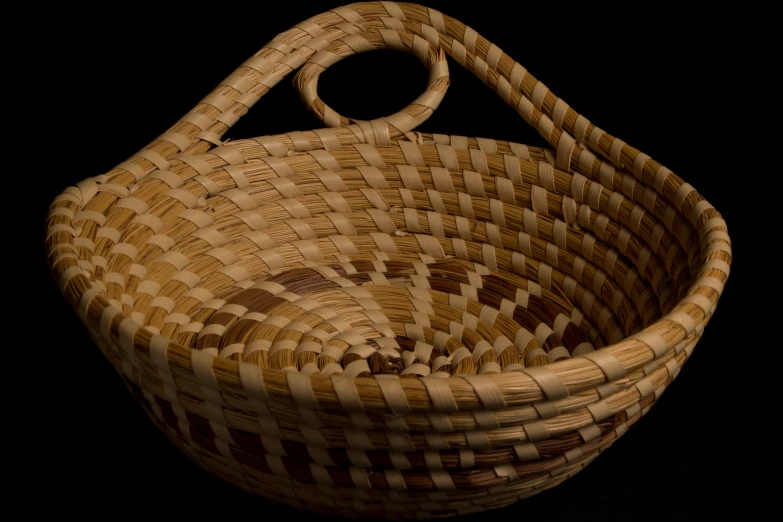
x,y
381,130
201,129
325,39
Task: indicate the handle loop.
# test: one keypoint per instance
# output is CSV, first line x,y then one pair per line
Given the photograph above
x,y
379,131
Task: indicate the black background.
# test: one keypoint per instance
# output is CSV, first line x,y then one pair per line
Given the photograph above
x,y
112,81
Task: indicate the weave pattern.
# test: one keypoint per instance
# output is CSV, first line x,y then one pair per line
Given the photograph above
x,y
371,321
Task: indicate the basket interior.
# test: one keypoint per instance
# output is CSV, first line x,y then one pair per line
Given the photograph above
x,y
397,269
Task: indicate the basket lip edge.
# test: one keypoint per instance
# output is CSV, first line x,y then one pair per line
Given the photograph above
x,y
639,350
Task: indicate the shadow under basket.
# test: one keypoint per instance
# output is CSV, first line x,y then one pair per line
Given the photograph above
x,y
366,320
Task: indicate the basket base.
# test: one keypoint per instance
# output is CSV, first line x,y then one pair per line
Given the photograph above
x,y
366,503
329,500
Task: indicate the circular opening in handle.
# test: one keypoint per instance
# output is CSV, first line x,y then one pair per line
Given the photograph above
x,y
370,85
382,129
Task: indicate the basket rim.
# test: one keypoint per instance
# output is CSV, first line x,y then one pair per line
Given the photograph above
x,y
660,341
576,374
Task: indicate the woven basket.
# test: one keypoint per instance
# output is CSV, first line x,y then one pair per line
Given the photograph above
x,y
367,320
